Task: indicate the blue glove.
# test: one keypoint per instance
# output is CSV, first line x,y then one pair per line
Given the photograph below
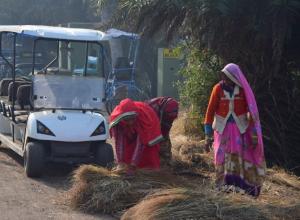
x,y
208,137
208,129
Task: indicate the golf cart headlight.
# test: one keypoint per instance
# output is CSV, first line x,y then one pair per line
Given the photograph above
x,y
99,130
42,129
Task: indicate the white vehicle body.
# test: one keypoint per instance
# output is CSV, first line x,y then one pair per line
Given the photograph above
x,y
67,126
63,120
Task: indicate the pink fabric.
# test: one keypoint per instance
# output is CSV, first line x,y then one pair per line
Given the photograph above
x,y
233,142
258,152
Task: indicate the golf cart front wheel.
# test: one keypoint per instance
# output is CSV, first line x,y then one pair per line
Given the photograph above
x,y
34,159
104,154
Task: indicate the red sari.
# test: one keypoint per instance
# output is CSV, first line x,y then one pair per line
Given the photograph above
x,y
136,144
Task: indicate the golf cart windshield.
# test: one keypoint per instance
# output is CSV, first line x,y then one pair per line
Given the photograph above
x,y
65,92
73,75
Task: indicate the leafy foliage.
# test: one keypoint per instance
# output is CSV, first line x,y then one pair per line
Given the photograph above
x,y
200,73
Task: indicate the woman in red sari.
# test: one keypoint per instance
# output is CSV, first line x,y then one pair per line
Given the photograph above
x,y
136,130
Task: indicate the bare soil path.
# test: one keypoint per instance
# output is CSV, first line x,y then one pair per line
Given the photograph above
x,y
35,199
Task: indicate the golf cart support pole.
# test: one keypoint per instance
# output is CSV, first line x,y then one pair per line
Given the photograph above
x,y
14,80
86,58
2,56
33,55
135,57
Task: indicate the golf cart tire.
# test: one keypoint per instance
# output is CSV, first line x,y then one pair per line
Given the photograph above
x,y
34,159
104,154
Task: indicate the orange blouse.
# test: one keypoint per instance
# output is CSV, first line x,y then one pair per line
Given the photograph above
x,y
219,104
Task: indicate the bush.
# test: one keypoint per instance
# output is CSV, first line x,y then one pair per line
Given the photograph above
x,y
200,74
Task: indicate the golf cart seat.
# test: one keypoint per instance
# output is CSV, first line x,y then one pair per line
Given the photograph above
x,y
123,69
23,95
4,86
13,88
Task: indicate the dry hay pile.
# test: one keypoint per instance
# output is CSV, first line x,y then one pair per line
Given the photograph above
x,y
191,153
97,189
189,156
188,151
281,189
179,203
175,203
280,177
188,124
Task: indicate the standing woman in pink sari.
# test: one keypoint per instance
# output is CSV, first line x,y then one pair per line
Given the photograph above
x,y
237,137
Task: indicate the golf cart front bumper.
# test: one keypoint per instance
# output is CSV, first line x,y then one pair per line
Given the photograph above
x,y
77,152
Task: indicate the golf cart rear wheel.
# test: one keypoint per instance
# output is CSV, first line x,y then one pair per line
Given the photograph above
x,y
104,154
34,159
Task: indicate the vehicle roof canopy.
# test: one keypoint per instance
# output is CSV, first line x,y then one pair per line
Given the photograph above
x,y
114,33
61,33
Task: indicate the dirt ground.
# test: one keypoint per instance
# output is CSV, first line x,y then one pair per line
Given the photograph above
x,y
35,199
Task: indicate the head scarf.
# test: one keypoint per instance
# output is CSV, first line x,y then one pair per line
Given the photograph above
x,y
234,73
171,109
165,107
147,123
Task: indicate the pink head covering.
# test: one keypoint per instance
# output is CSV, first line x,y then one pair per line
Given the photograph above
x,y
234,73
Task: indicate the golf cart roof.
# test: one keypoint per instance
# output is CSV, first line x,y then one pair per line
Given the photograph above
x,y
61,33
114,33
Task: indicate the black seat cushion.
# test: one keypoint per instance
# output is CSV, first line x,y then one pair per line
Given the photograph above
x,y
4,86
23,95
13,88
4,83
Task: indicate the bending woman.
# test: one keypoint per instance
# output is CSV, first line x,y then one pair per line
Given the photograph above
x,y
238,147
136,130
166,109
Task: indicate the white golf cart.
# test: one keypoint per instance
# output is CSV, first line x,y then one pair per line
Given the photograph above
x,y
52,112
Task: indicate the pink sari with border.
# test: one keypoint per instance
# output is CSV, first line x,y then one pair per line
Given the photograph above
x,y
238,161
